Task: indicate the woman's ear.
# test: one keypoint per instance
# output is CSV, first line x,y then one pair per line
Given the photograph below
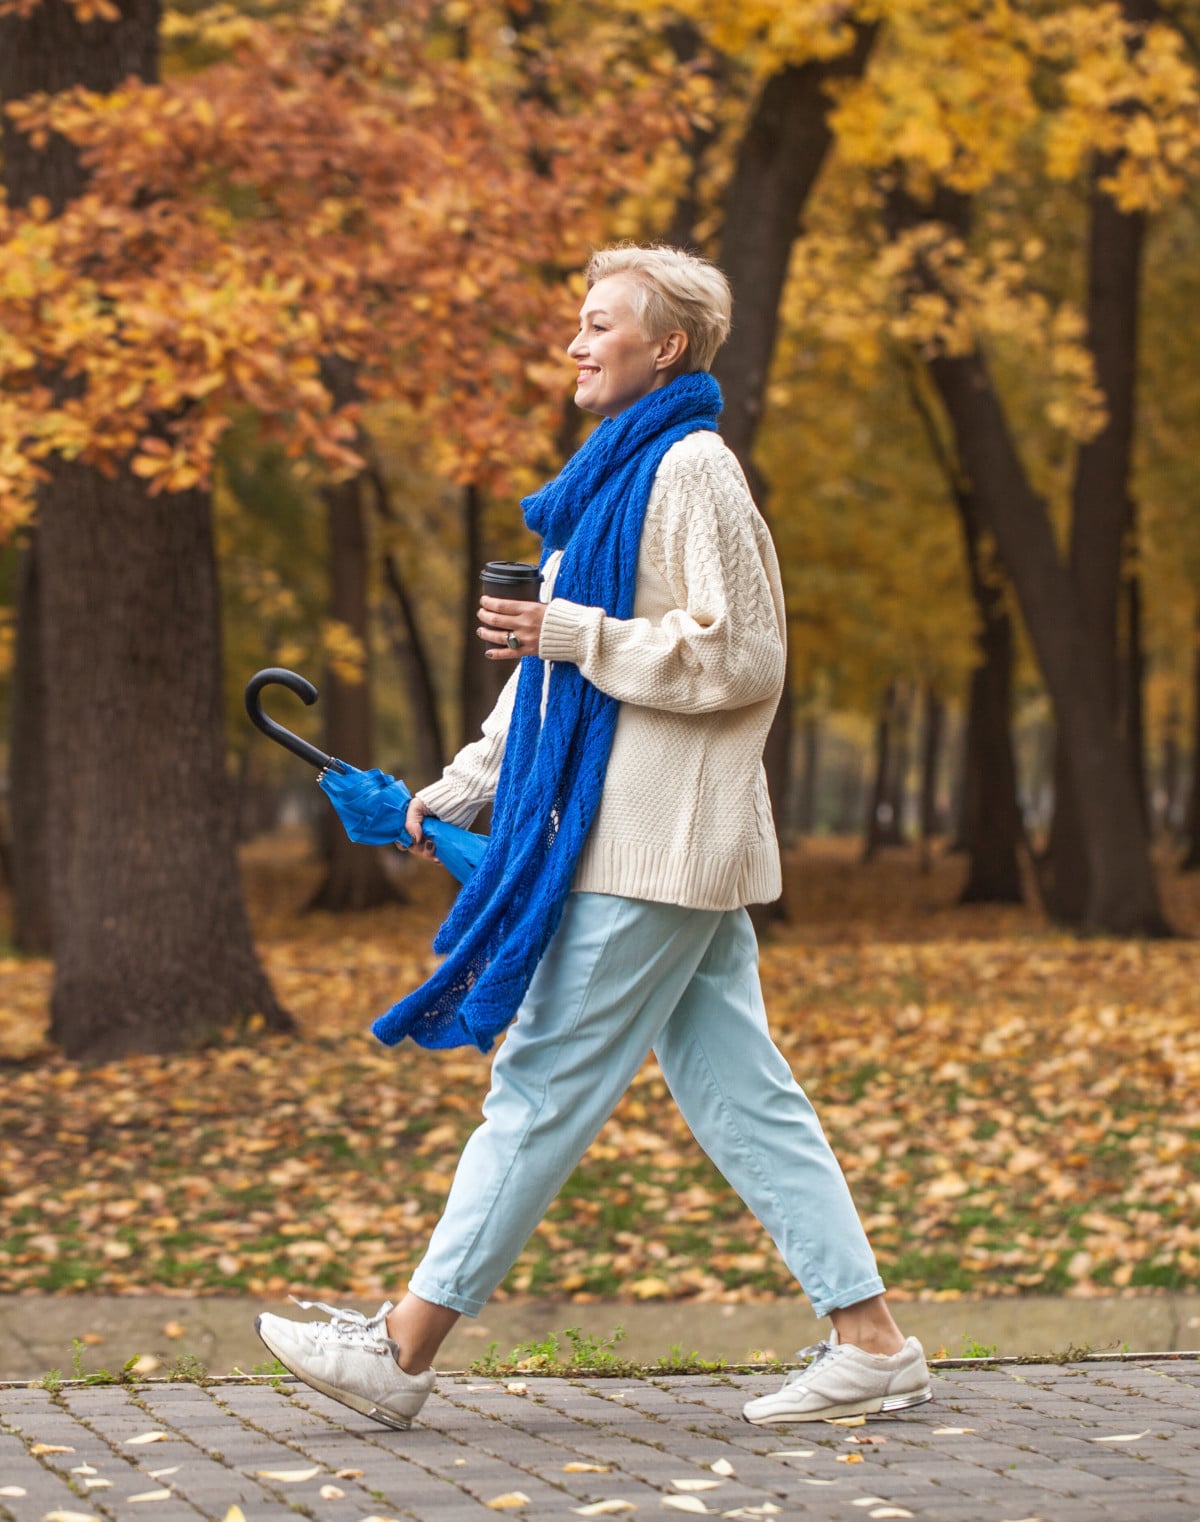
x,y
671,350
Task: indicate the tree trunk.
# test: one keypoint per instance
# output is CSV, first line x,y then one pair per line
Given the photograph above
x,y
1133,688
1102,516
27,769
153,950
806,811
480,680
991,825
354,877
1191,861
1120,895
931,755
896,781
785,145
1167,817
50,51
413,654
152,944
877,821
988,820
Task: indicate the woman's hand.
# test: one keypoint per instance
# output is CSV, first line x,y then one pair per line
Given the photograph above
x,y
511,628
413,823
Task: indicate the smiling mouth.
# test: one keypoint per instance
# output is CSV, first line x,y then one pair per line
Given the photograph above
x,y
585,372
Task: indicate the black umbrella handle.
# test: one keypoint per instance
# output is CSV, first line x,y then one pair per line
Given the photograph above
x,y
304,689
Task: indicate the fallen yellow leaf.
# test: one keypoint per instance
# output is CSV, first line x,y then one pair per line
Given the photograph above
x,y
695,1484
234,1514
580,1468
291,1476
686,1503
151,1495
331,1493
148,1437
512,1500
13,1490
603,1508
40,1448
845,1421
722,1466
849,1458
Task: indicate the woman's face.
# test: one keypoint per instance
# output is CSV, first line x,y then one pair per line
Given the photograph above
x,y
617,364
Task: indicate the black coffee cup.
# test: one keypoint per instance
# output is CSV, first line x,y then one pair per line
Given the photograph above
x,y
512,579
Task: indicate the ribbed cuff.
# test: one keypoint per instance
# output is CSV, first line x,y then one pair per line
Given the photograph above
x,y
562,630
442,799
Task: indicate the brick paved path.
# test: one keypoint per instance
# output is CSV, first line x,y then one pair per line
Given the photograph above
x,y
998,1444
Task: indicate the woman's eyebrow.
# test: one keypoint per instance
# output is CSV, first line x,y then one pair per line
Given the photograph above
x,y
595,312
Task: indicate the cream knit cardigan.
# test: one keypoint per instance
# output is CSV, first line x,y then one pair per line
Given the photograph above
x,y
684,817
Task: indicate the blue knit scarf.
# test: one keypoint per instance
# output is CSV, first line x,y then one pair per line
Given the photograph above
x,y
553,770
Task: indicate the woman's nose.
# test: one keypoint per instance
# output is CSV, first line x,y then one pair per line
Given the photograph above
x,y
573,346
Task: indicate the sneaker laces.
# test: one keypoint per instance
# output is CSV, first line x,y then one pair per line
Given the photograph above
x,y
347,1326
812,1355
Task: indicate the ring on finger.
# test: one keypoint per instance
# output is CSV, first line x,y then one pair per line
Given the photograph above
x,y
512,640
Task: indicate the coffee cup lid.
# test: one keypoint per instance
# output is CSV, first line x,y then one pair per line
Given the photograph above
x,y
511,570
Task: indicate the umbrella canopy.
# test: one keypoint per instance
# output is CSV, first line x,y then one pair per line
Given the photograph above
x,y
371,805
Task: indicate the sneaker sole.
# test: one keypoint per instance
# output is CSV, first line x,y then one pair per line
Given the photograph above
x,y
358,1403
878,1407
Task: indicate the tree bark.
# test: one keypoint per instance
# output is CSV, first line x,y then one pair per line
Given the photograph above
x,y
1102,522
931,756
1121,896
988,821
412,652
991,827
480,680
1191,860
152,944
785,145
153,950
810,739
354,876
27,769
877,834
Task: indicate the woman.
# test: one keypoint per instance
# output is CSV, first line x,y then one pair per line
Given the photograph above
x,y
632,827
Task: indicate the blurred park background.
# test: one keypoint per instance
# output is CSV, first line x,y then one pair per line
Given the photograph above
x,y
285,290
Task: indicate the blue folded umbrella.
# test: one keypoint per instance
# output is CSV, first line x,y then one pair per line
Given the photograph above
x,y
371,805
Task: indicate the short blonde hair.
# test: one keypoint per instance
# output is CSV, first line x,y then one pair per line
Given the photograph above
x,y
673,289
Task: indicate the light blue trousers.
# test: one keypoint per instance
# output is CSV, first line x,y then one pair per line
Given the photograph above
x,y
622,977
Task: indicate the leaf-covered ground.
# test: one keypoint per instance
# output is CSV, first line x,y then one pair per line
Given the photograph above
x,y
1016,1110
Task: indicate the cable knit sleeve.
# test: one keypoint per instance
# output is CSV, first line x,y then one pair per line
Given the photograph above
x,y
470,780
721,645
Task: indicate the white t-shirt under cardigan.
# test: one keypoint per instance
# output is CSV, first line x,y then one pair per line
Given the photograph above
x,y
698,670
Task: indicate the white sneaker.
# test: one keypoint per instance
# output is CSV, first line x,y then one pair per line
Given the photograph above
x,y
842,1380
350,1358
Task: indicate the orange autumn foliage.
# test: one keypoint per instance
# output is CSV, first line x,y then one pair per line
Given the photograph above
x,y
341,184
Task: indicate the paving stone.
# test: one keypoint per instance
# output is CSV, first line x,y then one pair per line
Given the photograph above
x,y
1031,1453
